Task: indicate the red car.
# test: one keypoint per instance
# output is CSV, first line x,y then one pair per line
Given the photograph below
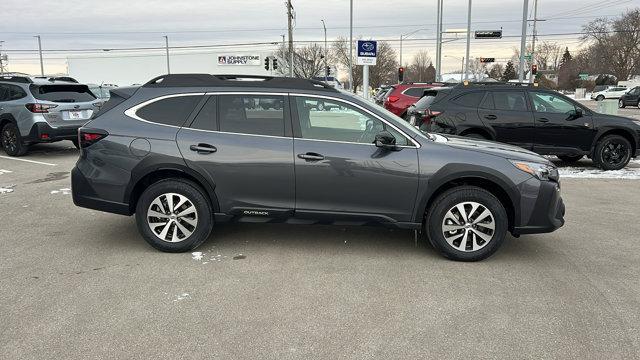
x,y
404,95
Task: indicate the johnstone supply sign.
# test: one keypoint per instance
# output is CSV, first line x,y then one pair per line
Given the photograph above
x,y
367,52
239,60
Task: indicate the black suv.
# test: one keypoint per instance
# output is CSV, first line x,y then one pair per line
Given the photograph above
x,y
533,118
630,98
186,151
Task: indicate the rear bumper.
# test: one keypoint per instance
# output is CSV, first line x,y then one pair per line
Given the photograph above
x,y
85,196
547,214
43,132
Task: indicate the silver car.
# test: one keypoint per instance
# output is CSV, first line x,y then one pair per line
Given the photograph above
x,y
36,110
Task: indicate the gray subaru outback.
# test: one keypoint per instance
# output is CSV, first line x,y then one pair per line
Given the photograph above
x,y
185,152
35,110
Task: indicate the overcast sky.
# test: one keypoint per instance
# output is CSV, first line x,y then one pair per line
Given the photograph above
x,y
82,24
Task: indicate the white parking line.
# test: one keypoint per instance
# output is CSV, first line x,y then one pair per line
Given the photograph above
x,y
30,161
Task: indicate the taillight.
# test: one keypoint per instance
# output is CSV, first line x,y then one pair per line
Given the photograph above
x,y
393,99
39,108
88,137
429,115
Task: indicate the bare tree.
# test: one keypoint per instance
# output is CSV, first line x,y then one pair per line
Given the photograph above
x,y
308,61
419,68
616,42
477,70
547,55
496,71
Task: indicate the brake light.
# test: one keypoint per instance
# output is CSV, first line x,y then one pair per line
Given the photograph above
x,y
430,115
88,137
393,98
40,108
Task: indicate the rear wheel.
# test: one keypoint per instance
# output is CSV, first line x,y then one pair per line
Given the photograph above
x,y
613,152
174,215
570,158
600,98
466,223
474,135
12,141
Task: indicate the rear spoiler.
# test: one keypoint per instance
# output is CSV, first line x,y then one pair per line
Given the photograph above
x,y
124,92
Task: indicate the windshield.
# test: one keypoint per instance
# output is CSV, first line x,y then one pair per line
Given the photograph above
x,y
411,130
62,93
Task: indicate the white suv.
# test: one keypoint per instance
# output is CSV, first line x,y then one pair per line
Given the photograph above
x,y
611,93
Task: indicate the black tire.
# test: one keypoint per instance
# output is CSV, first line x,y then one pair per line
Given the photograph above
x,y
12,141
474,135
195,195
621,104
612,152
600,98
570,158
75,143
449,199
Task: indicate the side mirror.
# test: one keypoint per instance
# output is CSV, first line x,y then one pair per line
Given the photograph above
x,y
386,140
576,114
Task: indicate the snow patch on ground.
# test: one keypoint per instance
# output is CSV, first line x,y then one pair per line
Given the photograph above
x,y
205,259
3,171
183,296
6,189
197,255
63,191
584,169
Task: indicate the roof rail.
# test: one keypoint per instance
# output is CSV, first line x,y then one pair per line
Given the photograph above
x,y
197,80
16,79
495,83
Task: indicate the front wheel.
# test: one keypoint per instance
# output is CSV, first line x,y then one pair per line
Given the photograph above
x,y
174,215
12,141
621,104
613,152
466,223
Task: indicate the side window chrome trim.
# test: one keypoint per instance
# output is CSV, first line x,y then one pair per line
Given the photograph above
x,y
131,112
417,144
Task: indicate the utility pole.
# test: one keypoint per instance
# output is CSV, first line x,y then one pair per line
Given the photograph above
x,y
325,50
439,41
40,52
466,67
290,25
523,40
2,58
533,41
351,46
166,46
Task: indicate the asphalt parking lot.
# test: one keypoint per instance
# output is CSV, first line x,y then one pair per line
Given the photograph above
x,y
80,284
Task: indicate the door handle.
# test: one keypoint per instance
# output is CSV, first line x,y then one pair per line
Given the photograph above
x,y
543,120
490,117
203,148
311,156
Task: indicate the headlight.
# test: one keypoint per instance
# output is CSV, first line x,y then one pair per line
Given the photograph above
x,y
539,170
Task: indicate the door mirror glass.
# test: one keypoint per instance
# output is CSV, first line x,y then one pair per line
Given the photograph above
x,y
385,140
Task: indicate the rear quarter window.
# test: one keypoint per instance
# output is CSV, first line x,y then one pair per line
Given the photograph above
x,y
172,111
62,93
414,91
471,99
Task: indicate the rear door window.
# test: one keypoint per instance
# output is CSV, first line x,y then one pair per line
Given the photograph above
x,y
172,111
510,100
62,93
252,114
488,103
471,99
414,91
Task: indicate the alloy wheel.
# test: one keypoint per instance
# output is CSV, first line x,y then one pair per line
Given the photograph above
x,y
614,153
468,226
172,217
9,140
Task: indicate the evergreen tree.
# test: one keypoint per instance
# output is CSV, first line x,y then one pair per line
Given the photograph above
x,y
509,72
566,57
431,73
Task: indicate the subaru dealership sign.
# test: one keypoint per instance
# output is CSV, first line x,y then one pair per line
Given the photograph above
x,y
238,59
367,52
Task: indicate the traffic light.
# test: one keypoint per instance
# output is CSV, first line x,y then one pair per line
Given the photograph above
x,y
327,71
534,69
401,74
485,60
274,64
266,63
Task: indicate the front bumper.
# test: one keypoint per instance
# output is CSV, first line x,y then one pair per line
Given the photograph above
x,y
43,132
546,213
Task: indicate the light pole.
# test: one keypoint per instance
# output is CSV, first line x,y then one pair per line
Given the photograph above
x,y
466,68
325,50
166,46
404,36
40,52
351,46
523,40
